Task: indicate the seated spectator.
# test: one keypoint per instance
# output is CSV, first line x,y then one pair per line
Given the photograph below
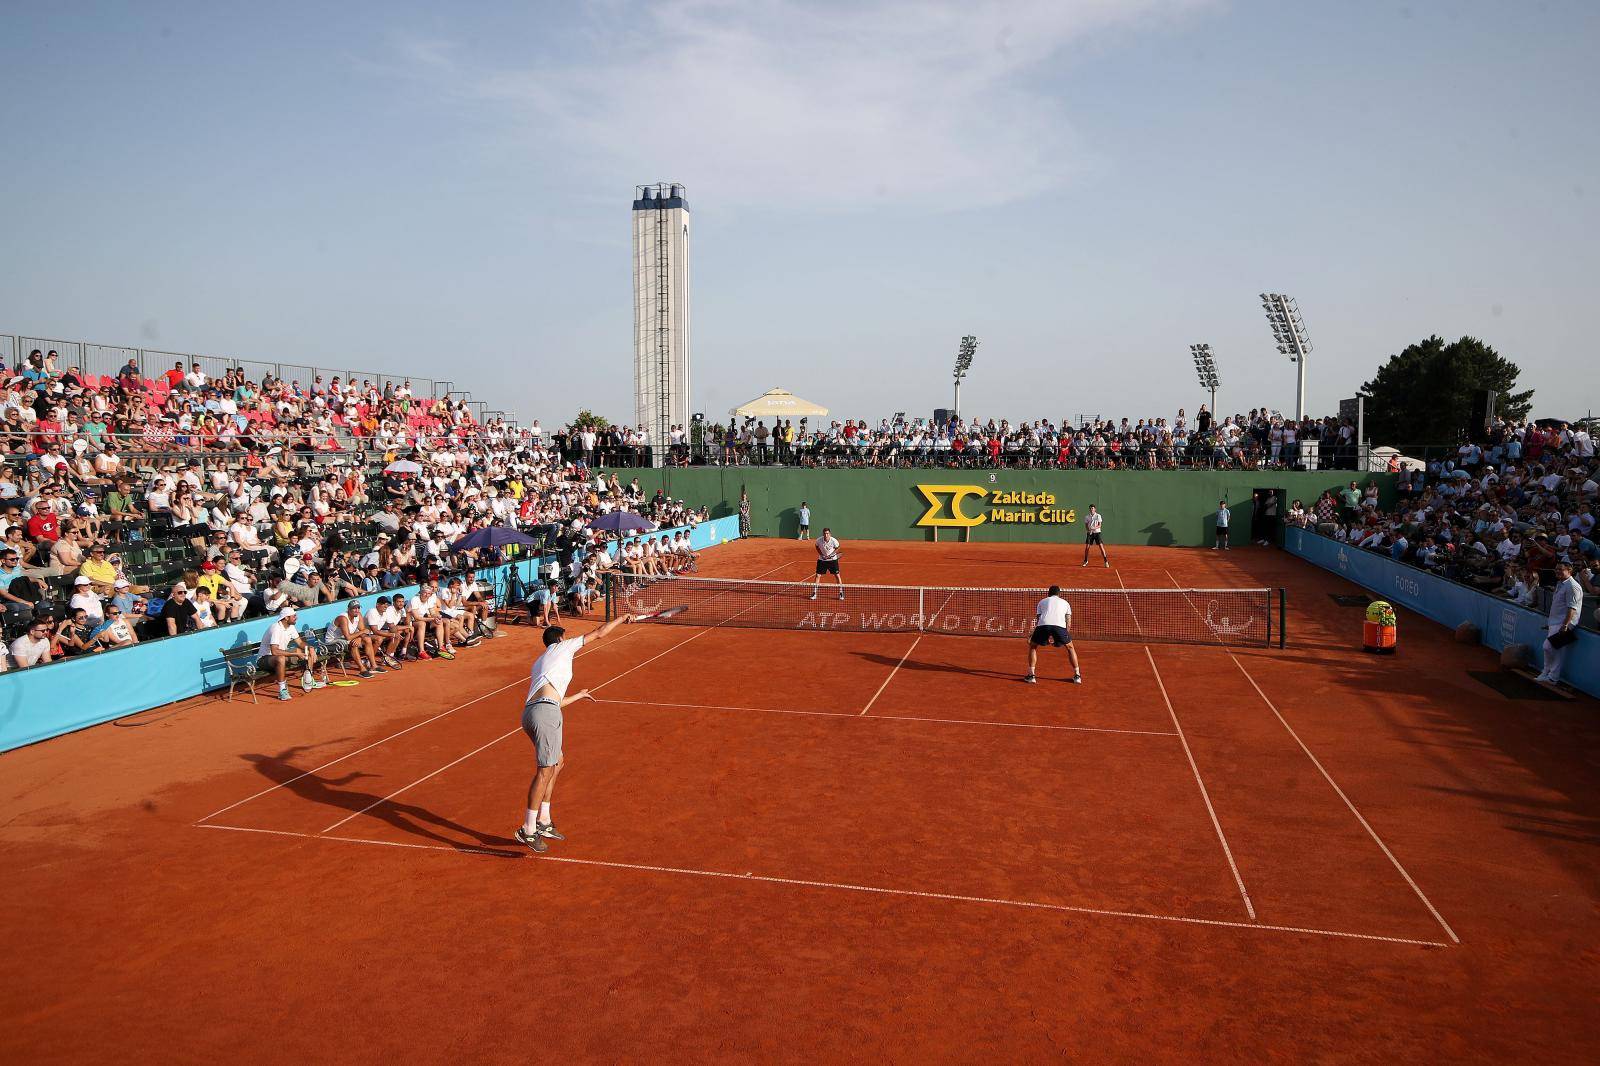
x,y
85,599
114,631
98,569
178,613
75,635
36,646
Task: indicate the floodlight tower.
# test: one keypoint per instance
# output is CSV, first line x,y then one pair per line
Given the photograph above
x,y
660,312
1289,330
964,354
1205,364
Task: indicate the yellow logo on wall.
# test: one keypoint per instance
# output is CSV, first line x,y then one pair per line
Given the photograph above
x,y
1007,506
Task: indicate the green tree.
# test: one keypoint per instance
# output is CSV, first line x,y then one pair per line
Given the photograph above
x,y
587,417
1424,394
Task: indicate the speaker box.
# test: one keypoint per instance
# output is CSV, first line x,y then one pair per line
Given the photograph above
x,y
941,415
1481,414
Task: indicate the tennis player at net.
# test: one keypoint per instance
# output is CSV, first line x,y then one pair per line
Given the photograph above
x,y
827,561
542,721
1053,625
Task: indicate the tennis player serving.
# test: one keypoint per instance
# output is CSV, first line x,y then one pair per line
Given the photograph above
x,y
827,561
1053,626
541,720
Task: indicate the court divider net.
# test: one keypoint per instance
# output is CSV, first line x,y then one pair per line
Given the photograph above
x,y
1234,617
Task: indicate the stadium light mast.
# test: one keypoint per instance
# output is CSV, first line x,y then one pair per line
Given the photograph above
x,y
964,354
1205,364
1289,330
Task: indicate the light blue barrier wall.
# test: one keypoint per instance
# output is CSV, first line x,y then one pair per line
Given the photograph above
x,y
47,701
1500,621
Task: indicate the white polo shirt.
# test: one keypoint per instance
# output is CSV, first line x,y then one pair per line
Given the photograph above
x,y
280,634
1053,611
554,668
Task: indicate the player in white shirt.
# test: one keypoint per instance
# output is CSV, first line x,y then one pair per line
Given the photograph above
x,y
1091,535
391,625
1053,625
542,722
282,646
350,631
827,561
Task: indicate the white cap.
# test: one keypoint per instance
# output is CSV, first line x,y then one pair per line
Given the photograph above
x,y
286,611
81,581
121,583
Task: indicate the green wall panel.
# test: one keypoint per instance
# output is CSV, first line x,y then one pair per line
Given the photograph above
x,y
1156,507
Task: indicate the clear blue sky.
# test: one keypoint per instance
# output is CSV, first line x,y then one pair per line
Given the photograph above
x,y
1088,187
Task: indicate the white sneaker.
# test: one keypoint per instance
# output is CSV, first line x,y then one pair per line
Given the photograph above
x,y
307,682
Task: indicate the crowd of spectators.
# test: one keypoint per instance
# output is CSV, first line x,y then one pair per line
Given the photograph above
x,y
108,540
1498,515
1259,439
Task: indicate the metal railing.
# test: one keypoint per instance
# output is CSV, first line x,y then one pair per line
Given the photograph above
x,y
108,359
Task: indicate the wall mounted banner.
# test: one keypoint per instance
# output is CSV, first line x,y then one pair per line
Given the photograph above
x,y
947,507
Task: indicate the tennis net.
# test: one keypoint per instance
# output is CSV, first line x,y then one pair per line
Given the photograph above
x,y
1239,617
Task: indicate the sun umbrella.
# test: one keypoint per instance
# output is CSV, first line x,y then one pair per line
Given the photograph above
x,y
492,537
403,466
621,522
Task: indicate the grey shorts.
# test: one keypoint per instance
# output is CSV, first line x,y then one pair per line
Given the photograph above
x,y
541,720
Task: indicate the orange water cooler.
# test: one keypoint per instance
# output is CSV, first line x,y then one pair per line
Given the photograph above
x,y
1380,631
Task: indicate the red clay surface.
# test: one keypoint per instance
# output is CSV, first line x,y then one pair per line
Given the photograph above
x,y
1199,853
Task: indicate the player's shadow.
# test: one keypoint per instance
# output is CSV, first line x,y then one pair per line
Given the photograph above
x,y
407,817
939,668
1158,535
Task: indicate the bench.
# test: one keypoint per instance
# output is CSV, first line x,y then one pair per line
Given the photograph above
x,y
242,665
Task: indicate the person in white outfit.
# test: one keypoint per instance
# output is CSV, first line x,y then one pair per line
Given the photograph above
x,y
1566,606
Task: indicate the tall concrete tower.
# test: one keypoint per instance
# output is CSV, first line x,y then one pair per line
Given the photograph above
x,y
660,312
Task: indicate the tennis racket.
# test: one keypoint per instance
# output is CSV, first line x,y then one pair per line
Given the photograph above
x,y
669,612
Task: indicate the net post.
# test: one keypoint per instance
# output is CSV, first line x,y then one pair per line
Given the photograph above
x,y
922,619
1283,614
611,593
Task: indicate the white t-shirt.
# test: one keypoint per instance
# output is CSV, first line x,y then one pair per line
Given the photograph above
x,y
1053,611
28,652
279,634
1091,521
377,619
554,668
828,548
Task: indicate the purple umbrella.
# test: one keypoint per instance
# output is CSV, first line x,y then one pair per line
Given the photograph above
x,y
621,522
492,537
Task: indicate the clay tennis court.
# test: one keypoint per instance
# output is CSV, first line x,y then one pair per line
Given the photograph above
x,y
832,846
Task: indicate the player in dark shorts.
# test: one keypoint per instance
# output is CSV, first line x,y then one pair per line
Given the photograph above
x,y
1091,535
1053,621
827,561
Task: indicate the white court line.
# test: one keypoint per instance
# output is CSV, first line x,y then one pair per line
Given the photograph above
x,y
1216,823
952,897
893,717
358,751
890,678
407,729
420,780
1129,598
698,635
518,729
1340,792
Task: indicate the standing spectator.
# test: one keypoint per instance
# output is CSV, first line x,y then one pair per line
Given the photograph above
x,y
1566,608
1224,516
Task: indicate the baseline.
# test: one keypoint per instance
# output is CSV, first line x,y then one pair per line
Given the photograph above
x,y
1064,908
